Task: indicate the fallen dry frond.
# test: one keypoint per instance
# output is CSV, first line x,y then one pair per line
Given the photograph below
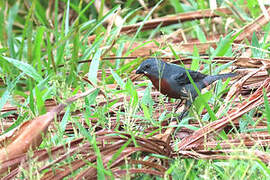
x,y
255,100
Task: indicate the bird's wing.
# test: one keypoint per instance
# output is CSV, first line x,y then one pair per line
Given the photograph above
x,y
182,78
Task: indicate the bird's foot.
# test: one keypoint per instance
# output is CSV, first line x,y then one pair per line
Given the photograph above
x,y
182,115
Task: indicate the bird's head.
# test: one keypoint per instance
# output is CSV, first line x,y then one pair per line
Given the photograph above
x,y
151,67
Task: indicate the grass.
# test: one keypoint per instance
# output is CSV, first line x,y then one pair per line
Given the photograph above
x,y
41,45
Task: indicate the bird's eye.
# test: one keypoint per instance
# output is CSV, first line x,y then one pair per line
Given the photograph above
x,y
147,66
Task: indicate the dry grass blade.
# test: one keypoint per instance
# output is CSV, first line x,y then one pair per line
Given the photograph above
x,y
253,27
243,139
227,154
119,173
165,21
109,143
81,148
235,90
245,62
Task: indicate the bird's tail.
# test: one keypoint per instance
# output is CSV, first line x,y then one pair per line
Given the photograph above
x,y
210,79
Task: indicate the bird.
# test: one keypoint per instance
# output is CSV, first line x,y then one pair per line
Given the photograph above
x,y
172,80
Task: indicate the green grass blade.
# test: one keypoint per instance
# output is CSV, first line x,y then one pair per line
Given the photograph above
x,y
256,53
8,91
67,19
26,29
31,100
125,68
133,93
39,102
195,59
24,67
56,20
93,70
267,110
200,34
99,23
2,24
142,23
11,16
118,152
177,6
37,48
224,45
92,140
264,168
118,79
40,13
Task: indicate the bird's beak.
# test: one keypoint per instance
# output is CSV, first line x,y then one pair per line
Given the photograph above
x,y
139,70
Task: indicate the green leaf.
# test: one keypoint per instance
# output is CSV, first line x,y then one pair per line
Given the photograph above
x,y
40,13
24,67
195,59
222,67
267,110
147,98
118,79
256,50
17,122
31,99
111,12
224,45
93,70
133,93
146,111
199,102
142,23
2,25
92,140
37,48
27,31
177,6
56,19
264,168
201,4
8,91
39,102
92,97
67,18
81,13
118,152
11,16
137,47
200,34
64,122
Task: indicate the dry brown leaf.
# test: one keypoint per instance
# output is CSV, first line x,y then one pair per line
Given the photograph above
x,y
29,134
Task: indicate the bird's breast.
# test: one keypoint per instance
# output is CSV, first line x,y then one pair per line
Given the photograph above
x,y
164,87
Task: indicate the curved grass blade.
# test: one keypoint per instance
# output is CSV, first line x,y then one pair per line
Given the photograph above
x,y
24,67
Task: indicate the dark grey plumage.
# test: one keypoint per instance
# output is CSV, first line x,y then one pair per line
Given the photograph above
x,y
172,80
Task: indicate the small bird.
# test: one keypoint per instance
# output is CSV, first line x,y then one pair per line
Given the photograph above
x,y
172,80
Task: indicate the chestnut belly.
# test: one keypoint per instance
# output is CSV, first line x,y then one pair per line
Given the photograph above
x,y
164,87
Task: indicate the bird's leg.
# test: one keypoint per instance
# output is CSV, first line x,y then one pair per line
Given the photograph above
x,y
178,105
184,113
